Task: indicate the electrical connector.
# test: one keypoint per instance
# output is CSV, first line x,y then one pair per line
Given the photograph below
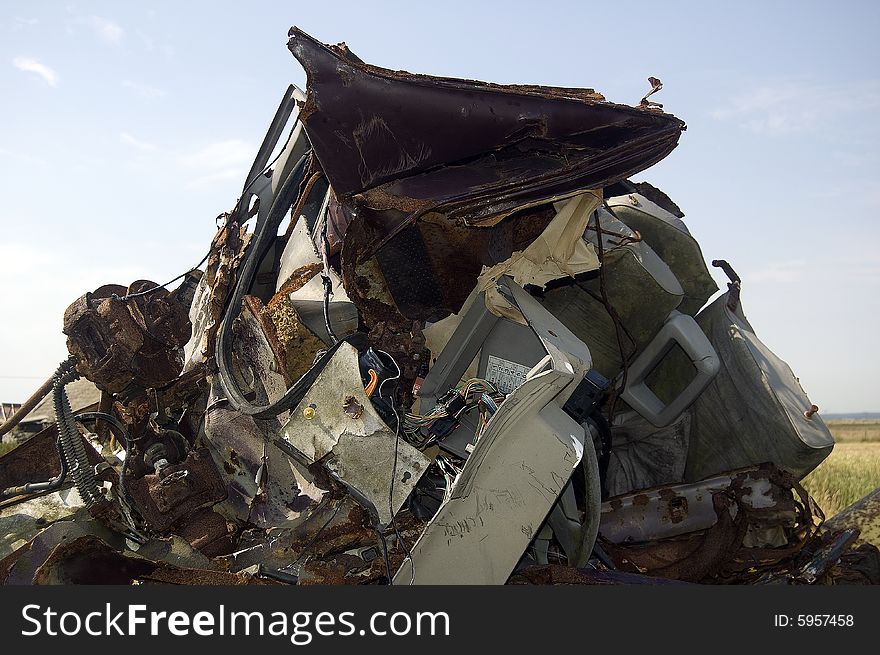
x,y
454,403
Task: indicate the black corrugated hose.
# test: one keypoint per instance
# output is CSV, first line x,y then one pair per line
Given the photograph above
x,y
72,448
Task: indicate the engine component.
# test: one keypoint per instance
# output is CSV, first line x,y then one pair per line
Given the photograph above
x,y
128,336
174,491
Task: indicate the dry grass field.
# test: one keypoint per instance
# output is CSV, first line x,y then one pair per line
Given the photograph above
x,y
853,468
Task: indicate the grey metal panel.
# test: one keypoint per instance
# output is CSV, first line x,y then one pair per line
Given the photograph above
x,y
335,422
511,342
521,463
753,411
511,481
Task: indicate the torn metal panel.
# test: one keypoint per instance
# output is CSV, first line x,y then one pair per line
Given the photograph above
x,y
362,449
399,147
19,567
518,467
22,522
478,149
300,280
864,515
286,493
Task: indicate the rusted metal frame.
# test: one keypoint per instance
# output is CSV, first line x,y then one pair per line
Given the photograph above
x,y
166,498
261,161
475,205
35,460
264,237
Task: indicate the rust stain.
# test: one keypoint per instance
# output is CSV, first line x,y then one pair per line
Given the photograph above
x,y
352,407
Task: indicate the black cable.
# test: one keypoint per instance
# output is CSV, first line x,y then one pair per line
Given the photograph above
x,y
328,291
384,543
328,283
129,296
126,438
615,317
112,420
264,236
394,469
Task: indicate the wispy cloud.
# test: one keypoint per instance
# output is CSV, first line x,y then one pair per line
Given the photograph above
x,y
136,143
851,267
150,45
852,159
797,106
222,160
22,157
19,24
144,90
29,65
106,29
779,272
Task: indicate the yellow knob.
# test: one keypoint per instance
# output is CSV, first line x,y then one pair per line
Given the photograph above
x,y
309,413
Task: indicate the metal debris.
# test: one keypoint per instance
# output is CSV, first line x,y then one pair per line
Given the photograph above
x,y
475,353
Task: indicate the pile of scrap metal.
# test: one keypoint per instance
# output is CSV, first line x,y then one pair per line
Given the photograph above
x,y
440,338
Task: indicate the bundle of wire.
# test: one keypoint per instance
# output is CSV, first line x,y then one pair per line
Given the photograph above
x,y
450,474
476,393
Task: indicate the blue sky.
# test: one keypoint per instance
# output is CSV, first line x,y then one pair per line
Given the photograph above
x,y
125,128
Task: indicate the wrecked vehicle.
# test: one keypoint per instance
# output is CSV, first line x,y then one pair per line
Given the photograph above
x,y
441,337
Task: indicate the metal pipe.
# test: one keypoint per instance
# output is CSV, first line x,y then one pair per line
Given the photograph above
x,y
27,406
52,484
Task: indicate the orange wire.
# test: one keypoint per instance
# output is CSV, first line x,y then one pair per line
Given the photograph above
x,y
371,386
